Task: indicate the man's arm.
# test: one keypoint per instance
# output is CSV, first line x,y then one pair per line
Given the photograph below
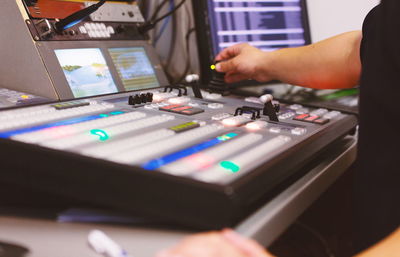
x,y
329,64
390,247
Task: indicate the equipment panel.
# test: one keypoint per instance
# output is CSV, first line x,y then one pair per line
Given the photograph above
x,y
200,162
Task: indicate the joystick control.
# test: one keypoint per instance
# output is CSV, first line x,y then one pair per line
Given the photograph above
x,y
217,83
269,108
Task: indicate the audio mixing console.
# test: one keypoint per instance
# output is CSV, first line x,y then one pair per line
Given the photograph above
x,y
200,162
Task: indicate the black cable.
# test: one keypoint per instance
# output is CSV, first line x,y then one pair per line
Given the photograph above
x,y
151,24
158,9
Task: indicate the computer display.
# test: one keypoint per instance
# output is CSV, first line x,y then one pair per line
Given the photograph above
x,y
134,68
268,24
86,71
265,24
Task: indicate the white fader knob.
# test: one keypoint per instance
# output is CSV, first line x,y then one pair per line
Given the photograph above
x,y
269,109
266,98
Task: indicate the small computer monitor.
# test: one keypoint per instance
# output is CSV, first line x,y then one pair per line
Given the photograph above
x,y
265,24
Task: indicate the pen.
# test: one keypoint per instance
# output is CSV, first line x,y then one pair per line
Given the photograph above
x,y
104,245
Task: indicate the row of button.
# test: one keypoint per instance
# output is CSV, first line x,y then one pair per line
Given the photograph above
x,y
210,157
114,131
227,168
51,114
97,30
165,146
49,134
311,119
110,148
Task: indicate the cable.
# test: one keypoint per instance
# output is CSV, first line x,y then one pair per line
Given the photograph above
x,y
151,24
158,9
78,16
165,24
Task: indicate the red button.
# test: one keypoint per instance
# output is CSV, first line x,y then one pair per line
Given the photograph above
x,y
321,121
301,117
181,108
169,107
312,118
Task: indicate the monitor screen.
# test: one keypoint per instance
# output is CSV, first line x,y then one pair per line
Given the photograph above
x,y
134,68
268,25
265,24
86,71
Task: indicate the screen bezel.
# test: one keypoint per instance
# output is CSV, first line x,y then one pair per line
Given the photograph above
x,y
57,75
205,41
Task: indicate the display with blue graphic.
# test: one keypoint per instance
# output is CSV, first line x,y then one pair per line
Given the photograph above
x,y
86,71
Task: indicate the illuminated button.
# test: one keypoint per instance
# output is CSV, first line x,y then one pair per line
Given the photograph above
x,y
25,96
286,116
194,104
179,100
296,107
256,125
83,30
185,127
221,116
299,131
246,160
170,107
181,109
311,118
230,166
192,111
103,136
110,30
319,112
215,106
301,117
236,121
275,130
213,67
303,111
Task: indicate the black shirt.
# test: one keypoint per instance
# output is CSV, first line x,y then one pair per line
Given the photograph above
x,y
377,181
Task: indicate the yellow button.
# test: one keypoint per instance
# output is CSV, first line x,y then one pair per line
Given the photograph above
x,y
24,97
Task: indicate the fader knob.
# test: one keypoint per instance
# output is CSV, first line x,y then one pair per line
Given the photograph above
x,y
143,98
149,97
269,109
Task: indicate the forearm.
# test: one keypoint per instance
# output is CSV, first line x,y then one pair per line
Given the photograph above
x,y
329,64
389,247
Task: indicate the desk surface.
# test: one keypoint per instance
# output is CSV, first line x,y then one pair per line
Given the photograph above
x,y
47,238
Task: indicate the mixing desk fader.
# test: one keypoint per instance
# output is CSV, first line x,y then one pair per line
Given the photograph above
x,y
200,162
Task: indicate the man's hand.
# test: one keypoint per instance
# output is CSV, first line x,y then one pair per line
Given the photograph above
x,y
241,62
330,64
216,244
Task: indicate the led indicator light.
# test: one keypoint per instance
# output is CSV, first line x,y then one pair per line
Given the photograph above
x,y
230,166
117,113
103,136
213,67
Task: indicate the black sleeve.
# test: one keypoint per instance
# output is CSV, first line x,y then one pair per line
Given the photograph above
x,y
377,179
